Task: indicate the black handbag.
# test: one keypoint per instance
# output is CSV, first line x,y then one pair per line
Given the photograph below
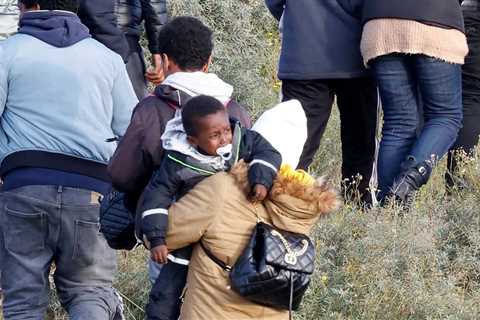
x,y
117,223
274,269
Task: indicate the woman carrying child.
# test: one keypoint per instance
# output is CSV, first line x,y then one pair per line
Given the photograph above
x,y
198,142
218,213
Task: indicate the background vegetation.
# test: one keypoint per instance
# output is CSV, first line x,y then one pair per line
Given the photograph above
x,y
370,265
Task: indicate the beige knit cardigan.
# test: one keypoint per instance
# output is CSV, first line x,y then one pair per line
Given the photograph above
x,y
386,36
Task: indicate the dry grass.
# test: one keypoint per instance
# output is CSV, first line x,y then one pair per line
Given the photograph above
x,y
370,265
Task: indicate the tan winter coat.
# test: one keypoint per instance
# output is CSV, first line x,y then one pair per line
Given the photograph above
x,y
217,212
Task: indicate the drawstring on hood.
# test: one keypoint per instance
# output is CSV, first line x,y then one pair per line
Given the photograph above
x,y
57,28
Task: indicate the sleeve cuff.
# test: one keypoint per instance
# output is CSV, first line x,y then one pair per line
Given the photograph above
x,y
155,242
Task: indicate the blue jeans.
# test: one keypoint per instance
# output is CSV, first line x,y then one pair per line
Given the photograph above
x,y
154,270
44,224
406,82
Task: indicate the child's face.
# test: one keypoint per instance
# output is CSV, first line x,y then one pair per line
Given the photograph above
x,y
213,132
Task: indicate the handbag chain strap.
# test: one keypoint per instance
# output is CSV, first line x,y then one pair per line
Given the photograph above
x,y
291,256
254,205
219,262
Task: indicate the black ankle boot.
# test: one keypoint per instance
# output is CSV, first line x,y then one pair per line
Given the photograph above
x,y
412,177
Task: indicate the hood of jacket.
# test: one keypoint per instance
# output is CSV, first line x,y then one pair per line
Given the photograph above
x,y
296,207
174,97
291,204
57,28
200,83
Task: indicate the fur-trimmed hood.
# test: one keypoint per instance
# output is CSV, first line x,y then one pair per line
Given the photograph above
x,y
293,206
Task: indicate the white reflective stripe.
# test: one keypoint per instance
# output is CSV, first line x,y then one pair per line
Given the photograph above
x,y
265,163
154,211
176,260
373,183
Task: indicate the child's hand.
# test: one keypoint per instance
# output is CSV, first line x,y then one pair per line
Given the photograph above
x,y
259,193
159,254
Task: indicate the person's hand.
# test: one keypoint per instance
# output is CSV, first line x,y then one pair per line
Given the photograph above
x,y
159,254
155,75
259,193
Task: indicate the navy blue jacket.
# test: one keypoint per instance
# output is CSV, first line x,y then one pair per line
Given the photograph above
x,y
321,40
110,20
446,13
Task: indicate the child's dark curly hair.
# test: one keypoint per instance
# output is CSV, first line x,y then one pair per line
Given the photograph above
x,y
197,108
187,41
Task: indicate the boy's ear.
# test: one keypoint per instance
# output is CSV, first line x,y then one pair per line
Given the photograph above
x,y
165,61
207,65
192,140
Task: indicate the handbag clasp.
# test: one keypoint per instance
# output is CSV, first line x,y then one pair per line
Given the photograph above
x,y
291,256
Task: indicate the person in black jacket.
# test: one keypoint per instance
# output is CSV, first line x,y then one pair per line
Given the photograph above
x,y
320,59
199,142
100,18
118,25
468,135
131,14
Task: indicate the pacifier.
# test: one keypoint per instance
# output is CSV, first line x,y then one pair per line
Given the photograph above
x,y
225,152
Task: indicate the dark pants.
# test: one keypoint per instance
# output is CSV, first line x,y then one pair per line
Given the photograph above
x,y
165,297
404,81
468,135
357,103
136,67
40,225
